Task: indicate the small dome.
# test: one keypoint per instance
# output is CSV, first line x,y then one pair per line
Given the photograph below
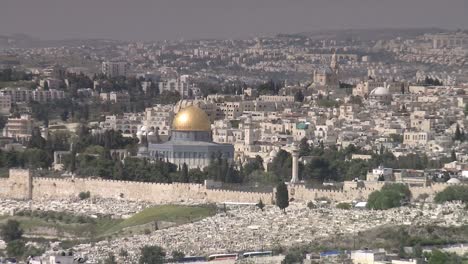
x,y
151,133
454,181
143,128
191,118
380,91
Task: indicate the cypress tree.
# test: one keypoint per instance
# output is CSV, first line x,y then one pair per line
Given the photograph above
x,y
282,196
185,175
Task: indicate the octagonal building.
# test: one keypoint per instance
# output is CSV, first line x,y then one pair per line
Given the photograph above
x,y
191,141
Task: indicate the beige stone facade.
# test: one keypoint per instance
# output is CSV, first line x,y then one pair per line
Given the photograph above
x,y
22,185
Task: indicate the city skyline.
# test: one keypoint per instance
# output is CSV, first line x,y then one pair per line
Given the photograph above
x,y
160,20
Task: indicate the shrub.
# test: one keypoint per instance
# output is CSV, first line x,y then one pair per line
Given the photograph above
x,y
344,206
260,205
11,230
311,205
84,195
390,196
177,255
452,193
292,257
398,187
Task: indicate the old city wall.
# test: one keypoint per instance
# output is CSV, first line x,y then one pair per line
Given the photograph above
x,y
151,192
18,185
22,185
429,190
304,194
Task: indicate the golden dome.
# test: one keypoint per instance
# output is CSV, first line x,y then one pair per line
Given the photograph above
x,y
191,118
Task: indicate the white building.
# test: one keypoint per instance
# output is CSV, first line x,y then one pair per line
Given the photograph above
x,y
128,123
416,138
115,97
25,95
19,127
367,257
182,85
158,119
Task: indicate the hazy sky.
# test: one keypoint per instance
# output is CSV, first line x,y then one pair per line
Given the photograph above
x,y
172,19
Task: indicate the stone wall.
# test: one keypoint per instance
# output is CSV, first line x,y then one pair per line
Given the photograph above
x,y
304,194
22,185
430,190
18,185
152,192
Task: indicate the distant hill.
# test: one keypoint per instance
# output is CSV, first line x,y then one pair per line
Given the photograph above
x,y
370,34
25,41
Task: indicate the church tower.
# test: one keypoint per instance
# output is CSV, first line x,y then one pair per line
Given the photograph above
x,y
335,68
334,63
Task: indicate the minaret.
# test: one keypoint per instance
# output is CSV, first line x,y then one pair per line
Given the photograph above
x,y
295,164
249,139
334,66
334,63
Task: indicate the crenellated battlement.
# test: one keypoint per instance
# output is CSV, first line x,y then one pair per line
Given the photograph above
x,y
23,185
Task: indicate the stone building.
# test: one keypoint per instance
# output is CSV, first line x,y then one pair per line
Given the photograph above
x,y
20,128
327,76
191,141
416,138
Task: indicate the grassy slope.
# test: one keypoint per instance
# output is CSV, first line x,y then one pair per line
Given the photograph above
x,y
102,227
178,214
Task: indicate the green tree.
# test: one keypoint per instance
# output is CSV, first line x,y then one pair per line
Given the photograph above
x,y
36,141
36,158
253,165
177,255
84,195
184,173
16,248
11,230
304,147
453,155
293,257
281,165
260,204
401,188
299,96
417,251
398,138
319,169
440,257
3,121
344,206
282,196
46,85
390,196
152,255
33,251
72,162
458,133
452,193
196,175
